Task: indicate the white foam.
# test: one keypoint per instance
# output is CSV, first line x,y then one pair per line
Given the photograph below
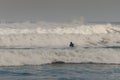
x,y
57,29
42,56
50,36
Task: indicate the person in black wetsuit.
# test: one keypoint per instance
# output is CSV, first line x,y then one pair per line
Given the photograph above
x,y
71,44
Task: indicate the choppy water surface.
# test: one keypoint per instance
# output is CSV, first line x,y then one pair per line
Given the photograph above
x,y
61,72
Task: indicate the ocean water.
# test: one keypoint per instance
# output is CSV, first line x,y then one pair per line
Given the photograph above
x,y
61,72
40,51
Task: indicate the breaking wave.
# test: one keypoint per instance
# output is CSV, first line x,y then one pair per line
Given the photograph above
x,y
51,34
43,43
40,56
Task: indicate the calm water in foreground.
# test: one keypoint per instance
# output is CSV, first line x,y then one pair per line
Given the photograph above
x,y
61,72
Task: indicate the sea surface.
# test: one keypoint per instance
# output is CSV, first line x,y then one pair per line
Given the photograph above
x,y
61,72
40,51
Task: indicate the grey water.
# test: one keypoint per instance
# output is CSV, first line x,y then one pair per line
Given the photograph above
x,y
61,72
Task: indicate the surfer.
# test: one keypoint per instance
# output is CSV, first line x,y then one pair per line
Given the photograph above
x,y
71,44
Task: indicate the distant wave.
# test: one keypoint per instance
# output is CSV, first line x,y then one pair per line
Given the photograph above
x,y
47,28
43,34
